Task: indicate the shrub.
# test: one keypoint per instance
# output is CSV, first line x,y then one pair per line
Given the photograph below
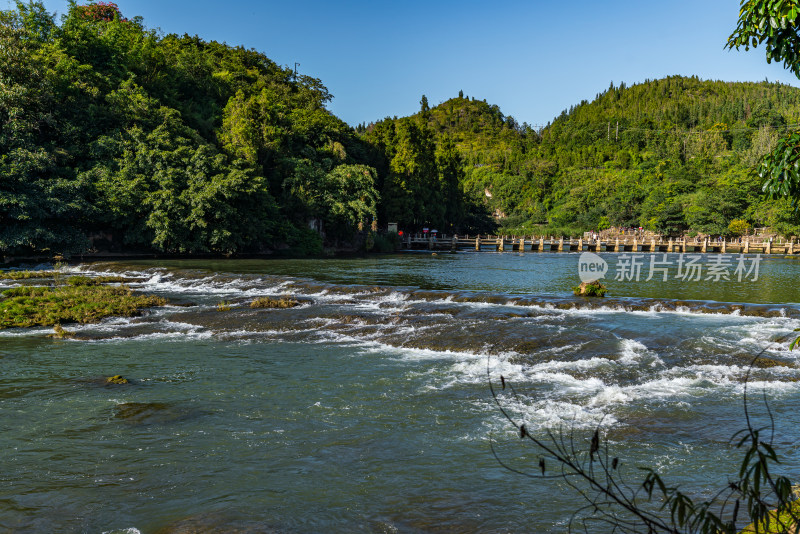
x,y
302,241
590,289
386,243
738,227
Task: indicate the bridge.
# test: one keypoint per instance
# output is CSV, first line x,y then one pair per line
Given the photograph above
x,y
627,244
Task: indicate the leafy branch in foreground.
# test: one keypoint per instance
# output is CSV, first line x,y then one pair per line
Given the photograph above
x,y
611,504
775,25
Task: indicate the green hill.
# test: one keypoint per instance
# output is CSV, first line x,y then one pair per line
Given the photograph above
x,y
115,137
671,155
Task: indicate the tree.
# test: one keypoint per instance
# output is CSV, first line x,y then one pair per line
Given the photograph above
x,y
738,227
424,109
169,143
341,198
775,24
42,203
99,11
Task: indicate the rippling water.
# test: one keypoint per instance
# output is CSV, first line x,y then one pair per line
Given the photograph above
x,y
367,407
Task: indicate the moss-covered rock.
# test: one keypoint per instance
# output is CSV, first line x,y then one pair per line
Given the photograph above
x,y
60,333
116,379
763,362
25,275
28,306
269,302
590,289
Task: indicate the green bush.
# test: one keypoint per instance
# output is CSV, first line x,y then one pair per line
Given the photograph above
x,y
590,289
303,241
386,242
738,227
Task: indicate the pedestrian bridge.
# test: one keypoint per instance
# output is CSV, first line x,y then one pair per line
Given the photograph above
x,y
487,243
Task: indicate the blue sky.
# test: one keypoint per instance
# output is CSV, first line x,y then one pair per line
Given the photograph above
x,y
532,58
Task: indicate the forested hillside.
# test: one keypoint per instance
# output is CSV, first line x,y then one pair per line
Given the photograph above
x,y
114,136
671,155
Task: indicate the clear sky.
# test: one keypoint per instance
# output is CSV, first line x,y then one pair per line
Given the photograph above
x,y
533,58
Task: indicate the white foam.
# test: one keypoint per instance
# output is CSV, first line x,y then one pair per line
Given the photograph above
x,y
549,414
25,332
578,365
636,353
162,336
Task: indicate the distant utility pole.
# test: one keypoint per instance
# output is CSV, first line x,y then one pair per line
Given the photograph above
x,y
296,64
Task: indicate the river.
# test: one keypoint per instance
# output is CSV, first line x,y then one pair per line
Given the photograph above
x,y
367,408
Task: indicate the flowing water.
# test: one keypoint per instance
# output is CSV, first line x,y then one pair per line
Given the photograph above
x,y
367,408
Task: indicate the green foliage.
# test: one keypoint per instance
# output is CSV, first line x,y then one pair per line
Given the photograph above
x,y
773,24
302,241
738,227
386,242
342,198
669,155
780,169
590,289
25,275
164,143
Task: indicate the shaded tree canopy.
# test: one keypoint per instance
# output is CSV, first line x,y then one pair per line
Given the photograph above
x,y
167,143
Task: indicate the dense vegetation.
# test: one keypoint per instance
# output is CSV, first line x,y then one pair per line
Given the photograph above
x,y
113,132
670,155
116,137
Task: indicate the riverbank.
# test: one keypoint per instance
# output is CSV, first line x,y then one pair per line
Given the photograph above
x,y
46,261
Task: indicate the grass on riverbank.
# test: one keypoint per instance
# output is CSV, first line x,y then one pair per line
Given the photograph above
x,y
28,306
26,275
